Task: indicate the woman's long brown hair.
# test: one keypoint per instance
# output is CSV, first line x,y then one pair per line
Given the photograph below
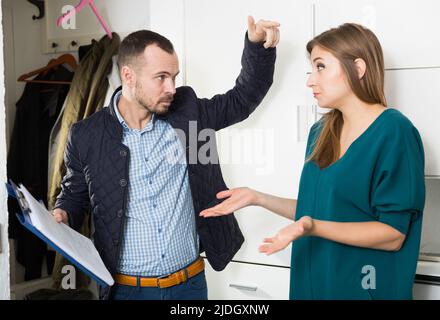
x,y
347,43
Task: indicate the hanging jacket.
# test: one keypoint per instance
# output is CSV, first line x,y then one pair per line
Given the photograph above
x,y
37,110
86,96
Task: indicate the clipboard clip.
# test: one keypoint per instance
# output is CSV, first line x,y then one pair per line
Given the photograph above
x,y
18,195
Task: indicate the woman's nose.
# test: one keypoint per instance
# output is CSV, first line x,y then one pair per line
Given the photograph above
x,y
310,80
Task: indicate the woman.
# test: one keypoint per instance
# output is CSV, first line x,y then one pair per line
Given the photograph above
x,y
358,215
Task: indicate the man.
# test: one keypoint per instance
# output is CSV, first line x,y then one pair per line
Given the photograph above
x,y
121,162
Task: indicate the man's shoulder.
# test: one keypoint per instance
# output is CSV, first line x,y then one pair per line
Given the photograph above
x,y
184,92
183,100
92,122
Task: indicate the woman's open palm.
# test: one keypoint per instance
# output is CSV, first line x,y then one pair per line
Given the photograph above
x,y
287,235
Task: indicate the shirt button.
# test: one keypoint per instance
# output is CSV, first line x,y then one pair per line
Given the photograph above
x,y
120,213
123,153
123,183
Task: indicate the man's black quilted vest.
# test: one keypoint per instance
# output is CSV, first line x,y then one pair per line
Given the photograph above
x,y
97,162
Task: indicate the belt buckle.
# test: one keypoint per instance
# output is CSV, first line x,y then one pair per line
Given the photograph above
x,y
162,277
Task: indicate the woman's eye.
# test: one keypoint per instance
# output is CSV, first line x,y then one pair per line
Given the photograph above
x,y
320,66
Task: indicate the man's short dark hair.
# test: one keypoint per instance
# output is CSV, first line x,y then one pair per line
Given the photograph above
x,y
135,43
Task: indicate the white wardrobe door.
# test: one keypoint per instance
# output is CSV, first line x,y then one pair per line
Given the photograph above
x,y
416,93
263,151
405,28
242,281
426,291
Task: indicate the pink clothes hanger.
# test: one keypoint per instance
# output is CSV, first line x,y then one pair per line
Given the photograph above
x,y
78,8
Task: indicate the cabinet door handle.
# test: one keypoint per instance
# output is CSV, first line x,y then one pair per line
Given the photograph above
x,y
246,288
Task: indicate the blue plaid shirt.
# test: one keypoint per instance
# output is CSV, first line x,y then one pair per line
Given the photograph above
x,y
160,235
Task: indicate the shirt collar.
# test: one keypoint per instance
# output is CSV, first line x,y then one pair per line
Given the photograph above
x,y
148,127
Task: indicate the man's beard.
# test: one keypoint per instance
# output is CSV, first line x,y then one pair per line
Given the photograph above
x,y
158,109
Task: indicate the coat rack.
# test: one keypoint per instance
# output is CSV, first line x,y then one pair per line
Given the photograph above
x,y
76,27
81,6
40,6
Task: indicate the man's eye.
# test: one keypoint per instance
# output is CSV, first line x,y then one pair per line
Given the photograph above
x,y
161,77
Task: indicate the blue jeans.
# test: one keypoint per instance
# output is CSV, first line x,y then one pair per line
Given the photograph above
x,y
194,288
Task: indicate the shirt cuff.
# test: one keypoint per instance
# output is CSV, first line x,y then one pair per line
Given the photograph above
x,y
257,46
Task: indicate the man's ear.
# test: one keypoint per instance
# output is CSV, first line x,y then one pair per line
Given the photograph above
x,y
128,76
361,67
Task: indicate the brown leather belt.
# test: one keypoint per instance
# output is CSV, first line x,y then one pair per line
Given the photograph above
x,y
166,281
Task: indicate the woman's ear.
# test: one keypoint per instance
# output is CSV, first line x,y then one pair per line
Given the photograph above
x,y
361,67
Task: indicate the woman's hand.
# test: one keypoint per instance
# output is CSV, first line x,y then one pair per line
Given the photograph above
x,y
237,198
286,235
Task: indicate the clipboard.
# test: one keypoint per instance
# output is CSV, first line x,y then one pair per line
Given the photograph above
x,y
25,219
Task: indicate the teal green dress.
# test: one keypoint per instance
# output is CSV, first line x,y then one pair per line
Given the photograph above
x,y
379,178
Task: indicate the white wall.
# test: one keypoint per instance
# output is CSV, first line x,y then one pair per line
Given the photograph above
x,y
4,249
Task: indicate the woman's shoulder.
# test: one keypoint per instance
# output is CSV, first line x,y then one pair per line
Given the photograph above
x,y
397,128
395,123
396,120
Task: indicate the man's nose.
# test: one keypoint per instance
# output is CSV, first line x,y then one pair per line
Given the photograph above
x,y
170,87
